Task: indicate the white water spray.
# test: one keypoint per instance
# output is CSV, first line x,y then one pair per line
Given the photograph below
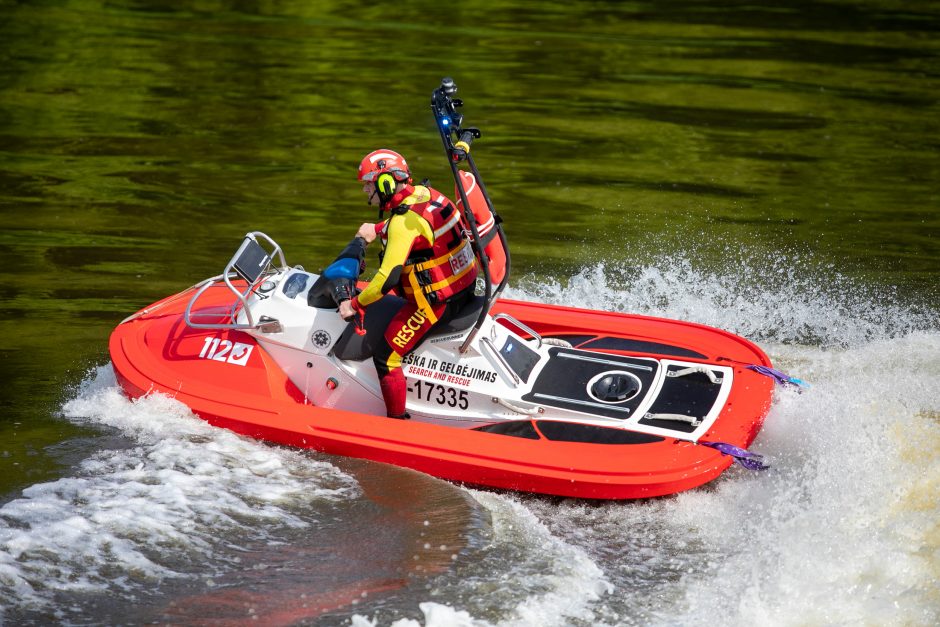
x,y
128,518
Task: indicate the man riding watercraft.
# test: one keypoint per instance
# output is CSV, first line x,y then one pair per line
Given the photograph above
x,y
426,256
532,397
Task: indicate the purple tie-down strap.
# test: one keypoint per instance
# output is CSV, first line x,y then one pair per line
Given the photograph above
x,y
780,377
751,461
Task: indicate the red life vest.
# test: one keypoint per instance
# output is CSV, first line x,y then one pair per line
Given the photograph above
x,y
435,271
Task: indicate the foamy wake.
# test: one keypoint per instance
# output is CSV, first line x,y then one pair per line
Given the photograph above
x,y
558,581
128,518
526,575
842,529
783,300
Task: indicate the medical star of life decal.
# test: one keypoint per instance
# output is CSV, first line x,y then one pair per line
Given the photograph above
x,y
320,339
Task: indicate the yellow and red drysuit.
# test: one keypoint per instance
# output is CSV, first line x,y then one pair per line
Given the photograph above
x,y
432,265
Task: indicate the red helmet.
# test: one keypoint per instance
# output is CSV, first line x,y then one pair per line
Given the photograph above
x,y
384,161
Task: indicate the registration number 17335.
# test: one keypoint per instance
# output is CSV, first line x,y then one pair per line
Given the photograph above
x,y
440,394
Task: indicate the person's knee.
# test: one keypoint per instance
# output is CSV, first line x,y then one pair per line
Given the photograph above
x,y
385,359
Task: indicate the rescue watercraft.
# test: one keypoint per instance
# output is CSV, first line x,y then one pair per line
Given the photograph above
x,y
507,394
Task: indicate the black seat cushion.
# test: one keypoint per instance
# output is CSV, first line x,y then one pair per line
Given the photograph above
x,y
463,319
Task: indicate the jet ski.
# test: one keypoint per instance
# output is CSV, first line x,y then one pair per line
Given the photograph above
x,y
506,394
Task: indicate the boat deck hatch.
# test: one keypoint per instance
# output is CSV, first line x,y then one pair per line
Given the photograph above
x,y
692,395
572,379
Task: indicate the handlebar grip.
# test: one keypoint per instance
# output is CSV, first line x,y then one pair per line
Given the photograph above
x,y
358,322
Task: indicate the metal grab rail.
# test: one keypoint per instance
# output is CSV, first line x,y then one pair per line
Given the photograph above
x,y
188,315
522,327
500,360
233,269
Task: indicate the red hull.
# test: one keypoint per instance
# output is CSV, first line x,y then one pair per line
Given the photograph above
x,y
156,351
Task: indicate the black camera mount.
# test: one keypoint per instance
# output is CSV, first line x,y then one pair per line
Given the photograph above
x,y
450,124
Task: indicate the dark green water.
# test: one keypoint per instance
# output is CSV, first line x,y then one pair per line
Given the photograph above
x,y
140,140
